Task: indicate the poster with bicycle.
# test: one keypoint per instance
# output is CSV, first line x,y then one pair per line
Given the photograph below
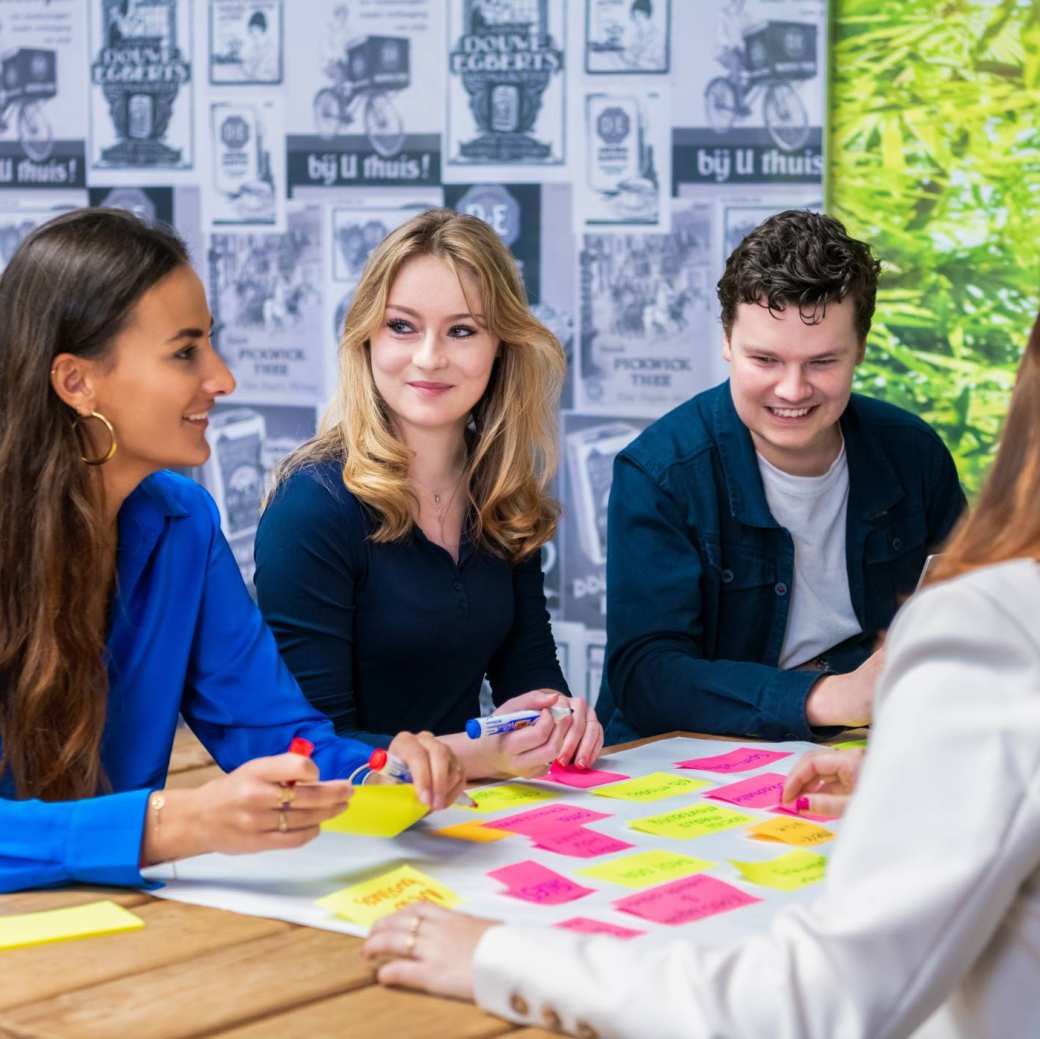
x,y
506,93
43,107
265,293
142,75
362,110
750,93
648,315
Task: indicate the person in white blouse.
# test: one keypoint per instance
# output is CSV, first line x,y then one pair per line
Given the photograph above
x,y
928,922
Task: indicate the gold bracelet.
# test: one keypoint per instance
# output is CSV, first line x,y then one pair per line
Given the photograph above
x,y
157,802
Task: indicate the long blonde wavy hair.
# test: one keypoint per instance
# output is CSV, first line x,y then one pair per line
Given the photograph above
x,y
511,439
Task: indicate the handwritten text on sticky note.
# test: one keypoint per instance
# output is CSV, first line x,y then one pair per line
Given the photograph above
x,y
507,795
379,896
583,778
789,872
761,791
695,821
588,926
533,882
791,831
652,787
741,760
541,820
580,842
647,868
683,901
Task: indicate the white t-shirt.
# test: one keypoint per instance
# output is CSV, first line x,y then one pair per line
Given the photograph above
x,y
812,509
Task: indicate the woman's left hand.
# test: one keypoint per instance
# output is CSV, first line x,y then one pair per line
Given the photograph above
x,y
427,947
584,739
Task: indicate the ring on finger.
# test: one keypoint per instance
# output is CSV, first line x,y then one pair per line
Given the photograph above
x,y
283,820
286,796
413,936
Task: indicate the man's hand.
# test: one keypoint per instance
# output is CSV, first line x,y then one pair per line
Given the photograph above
x,y
845,700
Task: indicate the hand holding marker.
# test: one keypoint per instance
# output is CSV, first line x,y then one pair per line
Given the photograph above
x,y
386,764
494,724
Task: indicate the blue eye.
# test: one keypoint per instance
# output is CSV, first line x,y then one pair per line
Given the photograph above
x,y
398,326
461,331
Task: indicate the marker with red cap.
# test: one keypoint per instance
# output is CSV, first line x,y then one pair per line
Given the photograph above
x,y
386,764
301,746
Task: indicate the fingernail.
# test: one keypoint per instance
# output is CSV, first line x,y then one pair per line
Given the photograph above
x,y
582,765
801,804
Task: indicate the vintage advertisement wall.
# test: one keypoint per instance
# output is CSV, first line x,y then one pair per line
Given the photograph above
x,y
619,147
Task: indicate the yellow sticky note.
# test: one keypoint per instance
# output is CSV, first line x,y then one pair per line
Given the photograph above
x,y
508,795
476,832
787,873
787,830
646,868
378,811
849,744
366,902
59,925
652,787
695,821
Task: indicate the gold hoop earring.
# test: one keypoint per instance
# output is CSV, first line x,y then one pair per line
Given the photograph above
x,y
107,456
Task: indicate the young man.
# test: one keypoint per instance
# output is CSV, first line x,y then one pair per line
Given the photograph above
x,y
762,535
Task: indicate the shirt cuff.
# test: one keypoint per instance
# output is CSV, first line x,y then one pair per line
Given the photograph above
x,y
784,701
104,839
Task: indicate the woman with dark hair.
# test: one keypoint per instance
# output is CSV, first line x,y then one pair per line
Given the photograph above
x,y
120,603
932,894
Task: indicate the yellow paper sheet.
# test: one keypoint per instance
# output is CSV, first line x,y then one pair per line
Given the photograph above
x,y
647,868
508,795
476,832
59,925
654,786
695,821
787,830
378,811
366,902
789,872
848,744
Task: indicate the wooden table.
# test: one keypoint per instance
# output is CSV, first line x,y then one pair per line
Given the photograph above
x,y
194,971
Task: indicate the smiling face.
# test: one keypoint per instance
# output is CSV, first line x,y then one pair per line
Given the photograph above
x,y
791,381
159,380
433,354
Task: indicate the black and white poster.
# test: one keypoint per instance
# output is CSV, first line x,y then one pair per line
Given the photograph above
x,y
246,42
362,109
43,105
265,295
749,95
506,93
142,89
628,36
648,315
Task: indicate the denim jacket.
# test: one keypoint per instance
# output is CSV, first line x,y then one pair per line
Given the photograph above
x,y
699,573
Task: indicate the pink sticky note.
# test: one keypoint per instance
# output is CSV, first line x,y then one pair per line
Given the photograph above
x,y
545,818
580,842
685,900
756,792
743,759
589,926
535,883
780,810
581,777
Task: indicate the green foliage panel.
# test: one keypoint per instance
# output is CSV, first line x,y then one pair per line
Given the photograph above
x,y
935,160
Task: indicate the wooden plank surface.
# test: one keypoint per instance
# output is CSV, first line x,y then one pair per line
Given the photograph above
x,y
194,971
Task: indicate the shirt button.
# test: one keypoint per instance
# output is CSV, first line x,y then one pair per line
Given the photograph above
x,y
727,576
897,543
585,1031
551,1019
518,1004
780,588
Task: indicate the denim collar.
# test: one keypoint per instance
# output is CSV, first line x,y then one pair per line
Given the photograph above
x,y
873,485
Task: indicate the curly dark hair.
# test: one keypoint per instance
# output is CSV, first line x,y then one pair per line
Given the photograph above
x,y
802,258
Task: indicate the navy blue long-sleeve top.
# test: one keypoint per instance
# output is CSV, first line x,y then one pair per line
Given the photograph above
x,y
392,636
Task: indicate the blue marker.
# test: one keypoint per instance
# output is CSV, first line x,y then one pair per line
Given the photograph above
x,y
493,724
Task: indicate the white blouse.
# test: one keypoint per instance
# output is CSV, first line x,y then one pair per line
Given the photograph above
x,y
932,895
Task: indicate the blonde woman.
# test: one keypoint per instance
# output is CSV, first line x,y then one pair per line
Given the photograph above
x,y
398,559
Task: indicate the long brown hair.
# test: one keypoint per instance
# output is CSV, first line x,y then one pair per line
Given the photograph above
x,y
69,288
512,447
1005,522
